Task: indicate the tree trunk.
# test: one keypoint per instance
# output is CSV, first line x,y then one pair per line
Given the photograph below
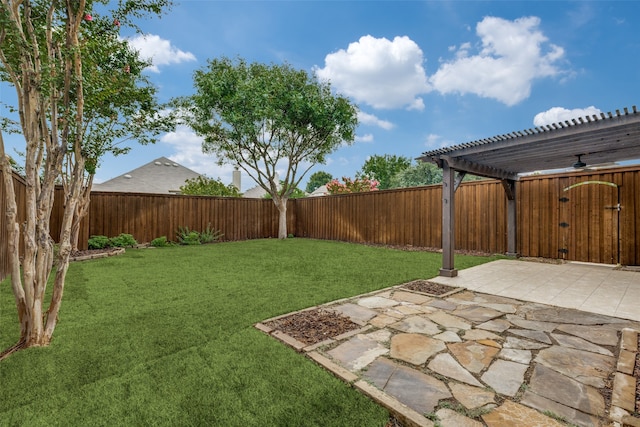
x,y
82,209
281,204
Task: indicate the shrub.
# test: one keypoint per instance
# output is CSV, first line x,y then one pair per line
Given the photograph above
x,y
192,237
160,242
123,241
99,242
188,237
358,185
210,235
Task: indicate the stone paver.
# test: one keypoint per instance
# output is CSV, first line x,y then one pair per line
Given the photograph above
x,y
531,324
448,321
518,343
580,344
356,312
554,386
444,364
477,313
450,418
515,355
473,356
543,404
567,315
624,392
539,336
418,355
415,348
472,397
418,391
495,325
589,368
512,414
505,377
595,334
417,324
443,304
358,352
377,302
404,296
479,334
448,336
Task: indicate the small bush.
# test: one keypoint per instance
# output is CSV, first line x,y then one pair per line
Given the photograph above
x,y
99,242
210,235
192,237
123,241
188,237
160,242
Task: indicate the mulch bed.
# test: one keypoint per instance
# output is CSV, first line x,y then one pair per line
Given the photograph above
x,y
428,287
313,326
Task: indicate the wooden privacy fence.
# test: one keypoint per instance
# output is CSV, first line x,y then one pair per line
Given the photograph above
x,y
411,216
591,216
147,216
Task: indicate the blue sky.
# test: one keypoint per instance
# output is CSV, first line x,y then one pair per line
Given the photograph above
x,y
424,74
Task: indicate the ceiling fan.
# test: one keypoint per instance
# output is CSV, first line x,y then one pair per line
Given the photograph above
x,y
579,164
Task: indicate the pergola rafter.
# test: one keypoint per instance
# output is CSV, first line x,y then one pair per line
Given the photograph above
x,y
595,139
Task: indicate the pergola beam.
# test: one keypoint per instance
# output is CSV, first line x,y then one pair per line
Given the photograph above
x,y
596,139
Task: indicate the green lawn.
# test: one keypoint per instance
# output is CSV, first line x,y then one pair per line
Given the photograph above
x,y
165,337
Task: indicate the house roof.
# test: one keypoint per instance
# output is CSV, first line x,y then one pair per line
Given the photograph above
x,y
320,191
592,140
158,176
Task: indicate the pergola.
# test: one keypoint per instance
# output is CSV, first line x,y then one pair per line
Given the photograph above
x,y
576,143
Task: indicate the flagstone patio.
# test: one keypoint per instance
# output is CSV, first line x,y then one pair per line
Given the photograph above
x,y
475,359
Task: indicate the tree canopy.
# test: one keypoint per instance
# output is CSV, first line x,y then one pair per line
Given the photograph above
x,y
417,175
384,168
204,186
266,118
317,180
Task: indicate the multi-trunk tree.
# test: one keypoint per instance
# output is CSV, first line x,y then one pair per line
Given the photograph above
x,y
72,75
263,117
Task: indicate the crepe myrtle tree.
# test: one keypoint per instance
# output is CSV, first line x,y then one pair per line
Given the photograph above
x,y
56,61
261,117
120,105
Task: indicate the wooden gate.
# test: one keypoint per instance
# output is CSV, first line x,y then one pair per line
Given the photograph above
x,y
590,222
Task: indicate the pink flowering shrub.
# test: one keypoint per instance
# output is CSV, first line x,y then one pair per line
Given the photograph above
x,y
357,185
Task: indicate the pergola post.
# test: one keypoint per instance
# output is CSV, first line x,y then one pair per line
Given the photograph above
x,y
448,220
512,217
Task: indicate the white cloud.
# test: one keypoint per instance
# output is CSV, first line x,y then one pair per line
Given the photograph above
x,y
433,141
159,51
513,54
559,114
370,119
379,72
188,152
364,138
